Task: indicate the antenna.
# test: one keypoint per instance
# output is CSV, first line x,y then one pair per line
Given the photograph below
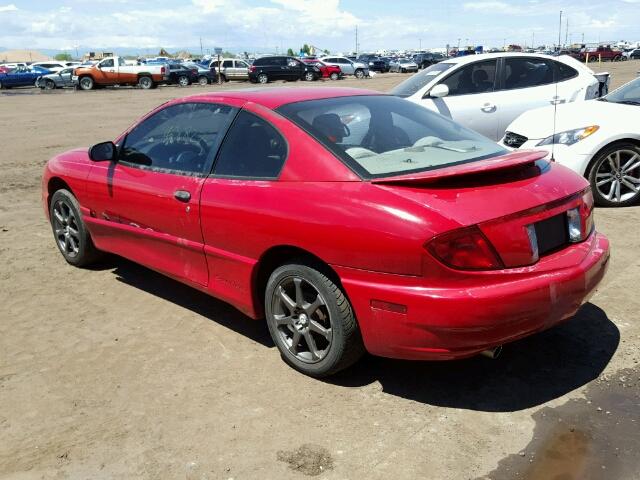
x,y
555,98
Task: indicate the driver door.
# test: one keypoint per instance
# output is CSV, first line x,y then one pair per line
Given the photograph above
x,y
146,205
106,72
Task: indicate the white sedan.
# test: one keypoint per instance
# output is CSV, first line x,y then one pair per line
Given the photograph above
x,y
599,139
487,92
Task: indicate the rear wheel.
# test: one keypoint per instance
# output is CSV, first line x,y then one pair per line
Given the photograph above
x,y
202,80
72,237
183,81
145,83
615,175
334,76
309,76
49,84
311,320
262,78
359,73
86,83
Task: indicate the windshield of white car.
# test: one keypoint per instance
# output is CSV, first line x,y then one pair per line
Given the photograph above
x,y
382,136
628,94
419,80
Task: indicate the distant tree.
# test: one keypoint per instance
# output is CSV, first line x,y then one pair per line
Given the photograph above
x,y
326,51
306,49
246,54
290,52
63,57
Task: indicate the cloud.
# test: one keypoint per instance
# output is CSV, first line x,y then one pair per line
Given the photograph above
x,y
8,8
487,6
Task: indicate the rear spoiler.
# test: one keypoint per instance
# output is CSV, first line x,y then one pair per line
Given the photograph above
x,y
501,162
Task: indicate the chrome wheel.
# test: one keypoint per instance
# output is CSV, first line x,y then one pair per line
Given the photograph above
x,y
262,78
183,81
301,319
617,176
203,81
65,228
309,77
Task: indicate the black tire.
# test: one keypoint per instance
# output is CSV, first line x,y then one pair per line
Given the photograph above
x,y
343,347
86,83
49,84
597,172
334,76
145,82
309,76
65,217
263,78
402,70
183,81
359,73
203,80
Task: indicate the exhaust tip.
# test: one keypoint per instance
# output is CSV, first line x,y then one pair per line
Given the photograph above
x,y
492,353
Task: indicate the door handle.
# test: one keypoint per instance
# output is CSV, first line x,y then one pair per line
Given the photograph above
x,y
488,108
182,195
557,100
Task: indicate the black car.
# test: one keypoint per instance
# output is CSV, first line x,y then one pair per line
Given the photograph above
x,y
181,75
424,60
266,69
375,63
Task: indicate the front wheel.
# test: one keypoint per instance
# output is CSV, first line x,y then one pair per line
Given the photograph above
x,y
615,176
86,83
202,80
334,76
359,73
49,84
183,81
311,321
145,83
262,78
69,230
309,76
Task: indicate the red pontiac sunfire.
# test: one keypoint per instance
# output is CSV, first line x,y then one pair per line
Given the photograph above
x,y
349,219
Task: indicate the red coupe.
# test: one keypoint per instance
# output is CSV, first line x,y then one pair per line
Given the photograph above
x,y
349,219
328,71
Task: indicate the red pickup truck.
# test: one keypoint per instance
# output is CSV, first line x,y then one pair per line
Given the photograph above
x,y
604,53
115,71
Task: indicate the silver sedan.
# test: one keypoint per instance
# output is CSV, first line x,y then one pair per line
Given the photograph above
x,y
403,65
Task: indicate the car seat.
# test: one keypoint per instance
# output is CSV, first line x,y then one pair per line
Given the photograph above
x,y
330,125
481,81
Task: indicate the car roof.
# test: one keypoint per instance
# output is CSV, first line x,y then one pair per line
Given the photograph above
x,y
488,56
273,98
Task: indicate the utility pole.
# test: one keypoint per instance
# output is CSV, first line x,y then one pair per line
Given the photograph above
x,y
582,39
357,46
201,50
560,31
533,39
420,40
566,32
458,45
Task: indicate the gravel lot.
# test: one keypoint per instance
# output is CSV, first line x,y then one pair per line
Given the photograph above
x,y
118,372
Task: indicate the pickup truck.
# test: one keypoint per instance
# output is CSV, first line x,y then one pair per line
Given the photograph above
x,y
604,53
114,71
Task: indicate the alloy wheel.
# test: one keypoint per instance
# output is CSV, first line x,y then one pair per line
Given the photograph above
x,y
302,319
183,81
65,227
618,176
262,78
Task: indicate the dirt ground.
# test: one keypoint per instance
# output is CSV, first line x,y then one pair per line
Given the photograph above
x,y
120,373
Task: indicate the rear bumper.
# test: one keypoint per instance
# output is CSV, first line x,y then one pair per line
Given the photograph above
x,y
413,320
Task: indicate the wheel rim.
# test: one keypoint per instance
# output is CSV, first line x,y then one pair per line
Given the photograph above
x,y
309,76
618,176
145,83
301,319
334,76
65,227
203,81
262,78
183,81
85,83
49,85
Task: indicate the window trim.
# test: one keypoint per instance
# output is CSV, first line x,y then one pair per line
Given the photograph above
x,y
215,149
212,173
496,79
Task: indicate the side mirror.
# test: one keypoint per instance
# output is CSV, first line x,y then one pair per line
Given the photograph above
x,y
102,152
439,91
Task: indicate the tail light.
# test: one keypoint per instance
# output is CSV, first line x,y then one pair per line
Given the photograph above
x,y
465,249
163,70
252,68
580,219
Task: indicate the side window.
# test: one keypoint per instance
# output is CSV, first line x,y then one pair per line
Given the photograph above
x,y
524,72
107,63
227,64
565,72
181,138
477,77
252,148
121,61
241,64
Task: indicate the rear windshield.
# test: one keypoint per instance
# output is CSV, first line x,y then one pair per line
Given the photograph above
x,y
414,83
381,136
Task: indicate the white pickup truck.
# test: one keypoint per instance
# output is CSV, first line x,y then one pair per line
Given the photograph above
x,y
115,71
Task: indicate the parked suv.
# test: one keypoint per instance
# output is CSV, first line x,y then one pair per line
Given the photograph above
x,y
375,63
231,69
348,66
425,60
266,69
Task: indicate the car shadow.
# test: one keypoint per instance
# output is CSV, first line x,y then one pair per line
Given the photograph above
x,y
180,294
528,373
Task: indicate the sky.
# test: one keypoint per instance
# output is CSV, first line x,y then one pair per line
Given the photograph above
x,y
270,25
